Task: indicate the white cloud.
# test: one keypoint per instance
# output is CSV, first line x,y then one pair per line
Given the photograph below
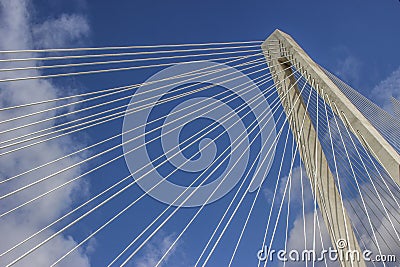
x,y
296,194
16,31
384,228
91,246
302,191
297,236
389,87
303,226
64,30
347,66
155,249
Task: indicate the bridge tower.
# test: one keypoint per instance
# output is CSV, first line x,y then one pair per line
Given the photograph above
x,y
284,55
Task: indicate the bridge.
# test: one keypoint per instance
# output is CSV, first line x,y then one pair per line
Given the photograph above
x,y
218,139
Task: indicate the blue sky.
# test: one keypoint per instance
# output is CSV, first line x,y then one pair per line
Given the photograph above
x,y
335,32
357,40
330,28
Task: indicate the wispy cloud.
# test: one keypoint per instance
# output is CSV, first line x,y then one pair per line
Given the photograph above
x,y
384,227
301,235
64,30
18,32
155,249
347,66
389,87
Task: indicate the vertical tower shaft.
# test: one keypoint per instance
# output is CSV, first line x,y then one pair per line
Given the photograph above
x,y
280,59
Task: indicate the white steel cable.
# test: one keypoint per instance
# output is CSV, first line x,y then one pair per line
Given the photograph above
x,y
38,181
96,71
132,254
194,217
65,216
111,89
247,219
250,212
315,180
288,201
276,187
336,169
25,254
240,201
277,184
40,67
42,194
101,153
283,197
165,220
356,167
317,186
322,240
354,176
367,151
277,219
77,177
103,141
110,221
126,88
303,209
350,173
306,160
99,121
69,213
120,47
372,182
258,191
98,113
102,227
